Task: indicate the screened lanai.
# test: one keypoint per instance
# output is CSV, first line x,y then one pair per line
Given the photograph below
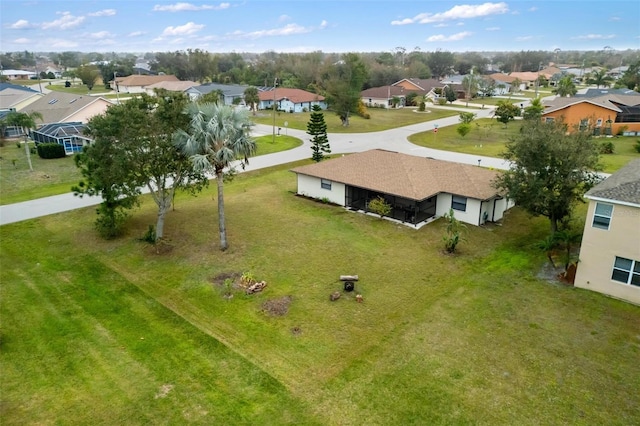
x,y
68,135
403,209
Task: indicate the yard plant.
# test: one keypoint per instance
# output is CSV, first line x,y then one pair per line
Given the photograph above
x,y
111,332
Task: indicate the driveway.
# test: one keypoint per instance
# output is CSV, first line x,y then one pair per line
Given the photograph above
x,y
393,140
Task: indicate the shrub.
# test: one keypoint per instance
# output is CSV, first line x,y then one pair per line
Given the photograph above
x,y
607,147
422,107
637,145
379,206
442,101
463,129
150,235
50,150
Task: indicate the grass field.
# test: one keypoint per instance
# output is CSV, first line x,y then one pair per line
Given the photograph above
x,y
111,332
381,119
488,136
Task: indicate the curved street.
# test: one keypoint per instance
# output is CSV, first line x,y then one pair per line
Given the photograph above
x,y
341,143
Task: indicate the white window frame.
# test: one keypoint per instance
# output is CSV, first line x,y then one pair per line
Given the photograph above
x,y
549,119
599,122
633,272
457,200
584,124
325,184
600,218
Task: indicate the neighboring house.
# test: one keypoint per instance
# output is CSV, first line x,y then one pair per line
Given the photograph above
x,y
290,100
501,78
419,189
10,131
17,96
610,250
17,74
138,83
429,87
382,97
171,86
60,107
56,72
69,135
608,114
233,94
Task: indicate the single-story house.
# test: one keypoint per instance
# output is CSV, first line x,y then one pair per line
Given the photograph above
x,y
382,97
418,189
608,114
138,83
60,107
233,94
17,96
610,248
429,87
69,135
17,74
290,100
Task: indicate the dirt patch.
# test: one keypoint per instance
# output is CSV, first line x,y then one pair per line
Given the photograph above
x,y
555,275
220,279
277,307
164,391
296,331
161,247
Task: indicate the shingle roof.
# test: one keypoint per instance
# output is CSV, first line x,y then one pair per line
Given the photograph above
x,y
227,89
386,91
426,84
58,106
294,95
4,86
174,86
407,176
143,80
623,185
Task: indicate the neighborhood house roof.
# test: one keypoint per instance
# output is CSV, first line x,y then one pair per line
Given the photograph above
x,y
12,94
56,107
426,84
144,80
173,86
610,101
297,96
227,89
623,185
385,92
407,176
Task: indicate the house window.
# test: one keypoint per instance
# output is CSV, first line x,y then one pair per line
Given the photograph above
x,y
549,120
584,123
602,216
459,203
599,122
626,271
325,184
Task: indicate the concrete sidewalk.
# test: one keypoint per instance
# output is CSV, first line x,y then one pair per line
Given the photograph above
x,y
341,143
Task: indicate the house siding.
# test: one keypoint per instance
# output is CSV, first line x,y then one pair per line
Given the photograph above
x,y
600,247
85,114
310,186
471,215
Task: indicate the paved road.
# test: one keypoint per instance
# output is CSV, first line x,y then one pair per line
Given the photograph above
x,y
393,139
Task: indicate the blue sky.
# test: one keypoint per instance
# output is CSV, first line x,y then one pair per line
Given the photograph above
x,y
309,25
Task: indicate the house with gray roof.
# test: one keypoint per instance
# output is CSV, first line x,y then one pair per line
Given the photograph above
x,y
17,96
61,107
418,189
610,250
233,94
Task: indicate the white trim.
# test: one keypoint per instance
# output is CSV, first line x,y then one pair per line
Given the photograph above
x,y
608,200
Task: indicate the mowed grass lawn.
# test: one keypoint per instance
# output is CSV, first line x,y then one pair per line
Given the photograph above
x,y
488,137
381,119
110,332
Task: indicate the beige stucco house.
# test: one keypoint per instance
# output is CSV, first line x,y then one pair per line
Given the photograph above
x,y
139,83
418,189
610,250
60,107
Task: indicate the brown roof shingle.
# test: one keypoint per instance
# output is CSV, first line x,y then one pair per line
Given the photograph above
x,y
408,176
296,96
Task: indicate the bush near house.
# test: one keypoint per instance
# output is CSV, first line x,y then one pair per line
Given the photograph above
x,y
50,150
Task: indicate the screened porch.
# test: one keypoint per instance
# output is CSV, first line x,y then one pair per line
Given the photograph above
x,y
403,209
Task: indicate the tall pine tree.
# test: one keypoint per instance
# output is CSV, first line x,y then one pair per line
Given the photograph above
x,y
317,129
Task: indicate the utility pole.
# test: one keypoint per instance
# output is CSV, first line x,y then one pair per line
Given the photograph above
x,y
115,73
275,84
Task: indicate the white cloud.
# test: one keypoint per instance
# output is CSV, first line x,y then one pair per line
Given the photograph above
x,y
532,9
136,34
61,43
287,30
181,7
594,37
464,11
453,37
284,18
440,25
66,22
181,30
105,12
20,25
524,38
22,40
323,24
492,29
615,18
100,35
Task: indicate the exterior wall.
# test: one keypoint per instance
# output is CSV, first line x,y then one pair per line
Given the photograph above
x,y
376,102
309,186
471,215
600,247
131,89
573,114
93,109
287,106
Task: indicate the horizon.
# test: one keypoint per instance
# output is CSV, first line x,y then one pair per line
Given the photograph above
x,y
255,26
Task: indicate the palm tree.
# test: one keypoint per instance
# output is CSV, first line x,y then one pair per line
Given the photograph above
x,y
217,136
600,78
27,121
565,87
251,98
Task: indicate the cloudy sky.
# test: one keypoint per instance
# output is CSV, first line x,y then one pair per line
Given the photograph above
x,y
309,25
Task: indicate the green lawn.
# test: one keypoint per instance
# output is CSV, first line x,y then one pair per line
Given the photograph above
x,y
111,332
266,144
488,136
381,119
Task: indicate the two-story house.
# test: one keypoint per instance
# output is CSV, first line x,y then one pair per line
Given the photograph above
x,y
610,250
